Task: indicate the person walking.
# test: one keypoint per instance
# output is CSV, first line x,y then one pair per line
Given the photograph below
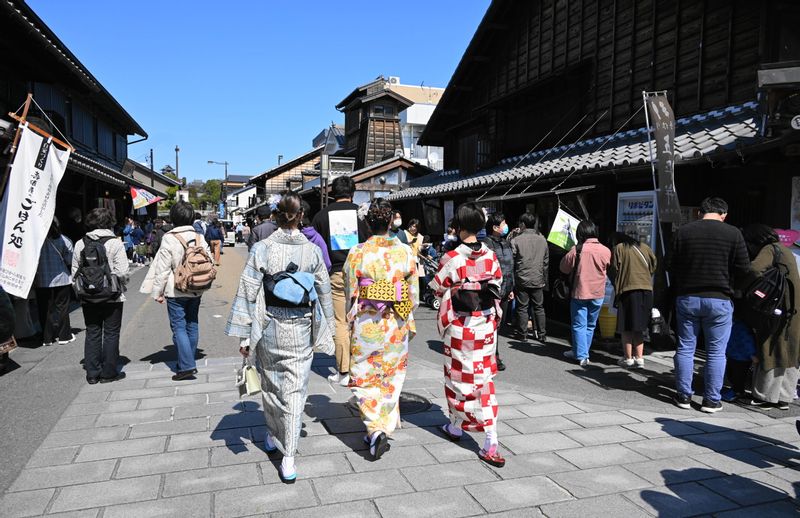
x,y
586,263
342,229
182,306
708,256
103,320
312,235
469,281
778,351
632,268
265,227
380,277
239,231
54,287
531,262
200,226
496,231
283,334
127,238
213,237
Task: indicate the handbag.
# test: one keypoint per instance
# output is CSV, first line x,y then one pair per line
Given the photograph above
x,y
247,379
562,287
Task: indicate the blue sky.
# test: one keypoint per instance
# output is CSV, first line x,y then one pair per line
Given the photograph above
x,y
244,81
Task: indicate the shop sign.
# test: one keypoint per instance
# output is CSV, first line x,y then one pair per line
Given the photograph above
x,y
663,120
27,209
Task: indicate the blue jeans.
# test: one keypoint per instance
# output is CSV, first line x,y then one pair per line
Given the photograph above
x,y
714,317
584,315
185,329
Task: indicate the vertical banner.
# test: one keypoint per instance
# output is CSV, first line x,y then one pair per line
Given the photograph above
x,y
27,209
663,120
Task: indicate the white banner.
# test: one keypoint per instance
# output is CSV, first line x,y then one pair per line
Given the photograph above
x,y
27,209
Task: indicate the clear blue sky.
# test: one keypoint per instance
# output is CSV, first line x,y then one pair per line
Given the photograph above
x,y
244,81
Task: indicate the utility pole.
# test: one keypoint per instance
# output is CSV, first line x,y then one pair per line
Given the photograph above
x,y
152,168
177,173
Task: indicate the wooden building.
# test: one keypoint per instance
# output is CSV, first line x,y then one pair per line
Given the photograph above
x,y
545,110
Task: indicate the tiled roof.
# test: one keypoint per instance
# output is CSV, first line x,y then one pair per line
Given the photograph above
x,y
695,137
97,170
238,178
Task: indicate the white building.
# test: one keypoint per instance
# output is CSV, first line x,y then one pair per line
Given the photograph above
x,y
413,120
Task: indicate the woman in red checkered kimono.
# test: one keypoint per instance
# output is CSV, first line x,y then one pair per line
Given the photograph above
x,y
468,283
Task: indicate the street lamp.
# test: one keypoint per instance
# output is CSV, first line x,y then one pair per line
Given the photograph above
x,y
224,191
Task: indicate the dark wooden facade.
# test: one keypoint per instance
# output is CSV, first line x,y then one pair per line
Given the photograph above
x,y
543,65
372,123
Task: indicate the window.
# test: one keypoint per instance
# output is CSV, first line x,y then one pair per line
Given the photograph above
x,y
389,109
377,109
105,140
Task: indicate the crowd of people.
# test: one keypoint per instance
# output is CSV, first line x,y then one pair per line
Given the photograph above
x,y
348,282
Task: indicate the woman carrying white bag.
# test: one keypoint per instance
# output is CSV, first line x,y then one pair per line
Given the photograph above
x,y
286,320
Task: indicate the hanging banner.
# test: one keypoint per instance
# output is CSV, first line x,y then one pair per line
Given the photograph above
x,y
663,120
563,231
27,209
142,198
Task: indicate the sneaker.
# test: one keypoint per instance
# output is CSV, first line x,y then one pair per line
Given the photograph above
x,y
710,407
569,355
761,404
626,362
65,342
342,379
184,375
682,401
542,338
119,376
638,363
48,344
728,395
584,362
782,405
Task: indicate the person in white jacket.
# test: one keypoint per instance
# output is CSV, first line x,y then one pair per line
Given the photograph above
x,y
182,306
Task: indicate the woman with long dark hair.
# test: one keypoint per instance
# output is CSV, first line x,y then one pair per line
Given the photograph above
x,y
632,268
469,281
380,279
586,263
777,351
283,333
53,287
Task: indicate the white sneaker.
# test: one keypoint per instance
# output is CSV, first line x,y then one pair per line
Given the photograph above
x,y
626,362
65,342
569,354
341,379
639,363
584,362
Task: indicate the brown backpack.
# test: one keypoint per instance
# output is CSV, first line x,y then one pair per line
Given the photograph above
x,y
196,271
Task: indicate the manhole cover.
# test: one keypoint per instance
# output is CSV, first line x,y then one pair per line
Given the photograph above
x,y
409,403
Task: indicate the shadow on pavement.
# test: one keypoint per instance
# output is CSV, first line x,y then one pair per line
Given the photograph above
x,y
234,428
169,356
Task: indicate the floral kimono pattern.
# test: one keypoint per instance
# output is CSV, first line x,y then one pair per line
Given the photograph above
x,y
470,339
379,344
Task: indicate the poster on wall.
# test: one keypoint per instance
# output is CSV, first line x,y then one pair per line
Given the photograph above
x,y
795,216
562,233
27,209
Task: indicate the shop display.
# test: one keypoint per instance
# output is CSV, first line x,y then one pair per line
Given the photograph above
x,y
636,216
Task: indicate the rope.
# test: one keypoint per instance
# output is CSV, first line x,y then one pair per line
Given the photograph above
x,y
52,123
567,150
602,145
543,156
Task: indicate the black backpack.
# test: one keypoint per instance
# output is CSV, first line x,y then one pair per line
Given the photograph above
x,y
764,305
94,282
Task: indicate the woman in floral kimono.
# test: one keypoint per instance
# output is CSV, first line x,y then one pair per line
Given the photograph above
x,y
468,282
380,277
285,336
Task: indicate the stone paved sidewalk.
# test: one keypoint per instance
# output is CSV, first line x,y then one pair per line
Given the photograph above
x,y
147,446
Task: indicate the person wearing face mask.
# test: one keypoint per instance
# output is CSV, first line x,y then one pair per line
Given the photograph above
x,y
496,232
450,240
396,231
531,261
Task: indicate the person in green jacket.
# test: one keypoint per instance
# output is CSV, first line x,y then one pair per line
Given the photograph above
x,y
632,267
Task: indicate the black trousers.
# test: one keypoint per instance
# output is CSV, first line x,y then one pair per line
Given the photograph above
x,y
530,297
737,372
101,348
53,304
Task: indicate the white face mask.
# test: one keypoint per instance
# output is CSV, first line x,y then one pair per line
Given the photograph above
x,y
398,222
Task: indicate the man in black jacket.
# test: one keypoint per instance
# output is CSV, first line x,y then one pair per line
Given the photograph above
x,y
495,240
707,257
342,229
531,262
264,229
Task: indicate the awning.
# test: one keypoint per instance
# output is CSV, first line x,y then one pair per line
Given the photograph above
x,y
99,171
539,194
697,137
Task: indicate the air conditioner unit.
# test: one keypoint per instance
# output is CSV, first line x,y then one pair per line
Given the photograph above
x,y
394,80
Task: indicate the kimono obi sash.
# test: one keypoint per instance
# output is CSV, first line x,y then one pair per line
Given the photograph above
x,y
473,296
383,295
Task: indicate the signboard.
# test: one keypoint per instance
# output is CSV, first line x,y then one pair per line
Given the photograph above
x,y
663,121
562,233
27,209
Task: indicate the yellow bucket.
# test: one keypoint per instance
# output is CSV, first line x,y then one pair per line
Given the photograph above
x,y
607,322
